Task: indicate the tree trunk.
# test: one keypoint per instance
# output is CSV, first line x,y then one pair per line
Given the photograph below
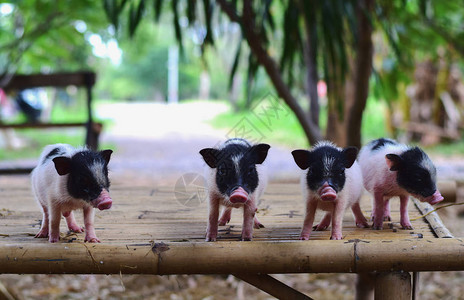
x,y
254,41
344,123
310,58
362,71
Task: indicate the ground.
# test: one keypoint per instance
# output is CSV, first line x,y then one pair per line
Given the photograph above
x,y
157,144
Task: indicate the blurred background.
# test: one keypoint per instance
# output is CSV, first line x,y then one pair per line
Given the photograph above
x,y
175,76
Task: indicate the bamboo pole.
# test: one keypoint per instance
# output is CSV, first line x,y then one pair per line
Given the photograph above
x,y
324,256
272,286
393,286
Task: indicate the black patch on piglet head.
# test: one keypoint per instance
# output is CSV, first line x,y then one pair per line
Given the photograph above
x,y
325,163
87,173
416,172
236,165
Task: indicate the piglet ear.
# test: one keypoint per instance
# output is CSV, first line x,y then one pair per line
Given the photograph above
x,y
302,158
211,156
394,161
106,154
350,154
259,152
62,165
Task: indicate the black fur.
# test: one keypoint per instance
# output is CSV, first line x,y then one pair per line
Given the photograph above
x,y
82,182
314,161
416,173
55,152
379,143
227,179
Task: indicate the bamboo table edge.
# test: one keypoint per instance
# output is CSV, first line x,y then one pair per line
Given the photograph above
x,y
260,257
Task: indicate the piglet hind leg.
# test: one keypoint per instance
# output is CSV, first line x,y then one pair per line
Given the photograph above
x,y
257,224
225,216
90,235
404,216
325,222
43,232
378,211
359,217
71,221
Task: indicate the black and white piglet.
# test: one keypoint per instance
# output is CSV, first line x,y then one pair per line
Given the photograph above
x,y
392,169
332,183
235,179
67,179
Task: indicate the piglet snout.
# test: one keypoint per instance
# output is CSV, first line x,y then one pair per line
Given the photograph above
x,y
435,198
239,195
327,193
104,200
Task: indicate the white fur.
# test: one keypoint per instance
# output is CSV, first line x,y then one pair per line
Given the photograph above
x,y
375,170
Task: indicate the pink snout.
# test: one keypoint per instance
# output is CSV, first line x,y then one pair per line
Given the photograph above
x,y
327,193
239,196
104,200
435,198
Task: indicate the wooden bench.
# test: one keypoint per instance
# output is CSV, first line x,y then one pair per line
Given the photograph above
x,y
79,79
150,231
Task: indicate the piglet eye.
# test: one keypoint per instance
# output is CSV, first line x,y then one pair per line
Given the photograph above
x,y
221,171
251,170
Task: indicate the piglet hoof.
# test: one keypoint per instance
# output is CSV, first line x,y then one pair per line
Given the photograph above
x,y
320,227
42,234
53,239
336,236
76,229
222,223
377,227
92,239
304,237
210,239
407,226
258,225
246,239
362,225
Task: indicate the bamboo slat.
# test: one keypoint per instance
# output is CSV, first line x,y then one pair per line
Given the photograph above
x,y
143,216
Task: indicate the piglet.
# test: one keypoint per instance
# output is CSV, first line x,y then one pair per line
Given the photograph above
x,y
392,169
332,183
236,179
67,179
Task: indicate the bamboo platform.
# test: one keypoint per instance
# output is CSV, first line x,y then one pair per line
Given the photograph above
x,y
153,230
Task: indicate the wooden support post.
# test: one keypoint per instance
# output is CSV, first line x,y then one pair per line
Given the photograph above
x,y
393,286
365,284
271,286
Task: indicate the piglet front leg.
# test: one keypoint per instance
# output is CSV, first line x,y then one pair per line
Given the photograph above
x,y
249,211
54,228
212,229
404,216
43,232
337,220
90,235
311,207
